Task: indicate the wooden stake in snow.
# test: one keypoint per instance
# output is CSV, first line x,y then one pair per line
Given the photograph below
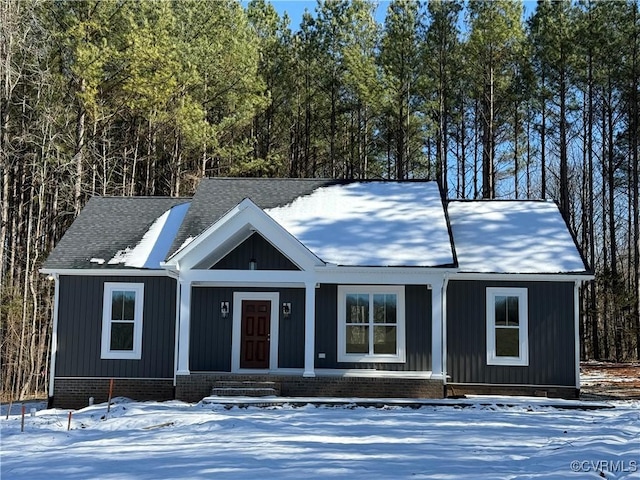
x,y
110,393
9,411
24,410
69,422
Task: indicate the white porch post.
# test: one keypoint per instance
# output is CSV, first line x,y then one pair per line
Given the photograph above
x,y
185,324
309,329
436,329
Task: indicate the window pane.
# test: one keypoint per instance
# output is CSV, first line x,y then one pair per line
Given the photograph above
x,y
507,342
358,339
129,306
512,308
123,305
384,308
384,340
501,310
117,305
121,336
357,308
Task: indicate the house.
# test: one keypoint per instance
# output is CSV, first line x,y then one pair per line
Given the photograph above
x,y
329,288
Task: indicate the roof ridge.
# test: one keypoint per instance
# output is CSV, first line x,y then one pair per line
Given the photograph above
x,y
272,179
141,197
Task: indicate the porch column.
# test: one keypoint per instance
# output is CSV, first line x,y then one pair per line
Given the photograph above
x,y
185,324
309,329
436,329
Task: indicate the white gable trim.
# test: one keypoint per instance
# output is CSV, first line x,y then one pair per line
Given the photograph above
x,y
233,228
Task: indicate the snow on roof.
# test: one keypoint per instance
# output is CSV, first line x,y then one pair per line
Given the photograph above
x,y
371,224
512,237
155,243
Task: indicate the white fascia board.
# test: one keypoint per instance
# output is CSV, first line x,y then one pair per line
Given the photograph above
x,y
110,272
524,277
258,277
245,216
382,275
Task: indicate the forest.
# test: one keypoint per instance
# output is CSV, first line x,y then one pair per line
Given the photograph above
x,y
117,97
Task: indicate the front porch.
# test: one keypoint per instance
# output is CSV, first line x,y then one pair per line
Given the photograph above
x,y
196,386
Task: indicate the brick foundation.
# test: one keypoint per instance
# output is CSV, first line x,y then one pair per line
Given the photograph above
x,y
75,392
194,387
454,390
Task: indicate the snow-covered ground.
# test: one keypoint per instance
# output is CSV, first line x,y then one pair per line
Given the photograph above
x,y
479,440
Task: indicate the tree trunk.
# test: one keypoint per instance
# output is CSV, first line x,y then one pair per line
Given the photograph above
x,y
79,153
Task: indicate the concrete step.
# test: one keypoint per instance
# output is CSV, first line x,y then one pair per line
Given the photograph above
x,y
229,388
243,392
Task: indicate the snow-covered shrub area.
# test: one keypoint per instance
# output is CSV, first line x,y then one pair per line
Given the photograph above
x,y
478,440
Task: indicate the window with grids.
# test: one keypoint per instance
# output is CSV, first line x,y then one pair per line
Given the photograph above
x,y
371,324
507,326
122,321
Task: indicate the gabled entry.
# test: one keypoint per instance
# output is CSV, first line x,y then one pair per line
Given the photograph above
x,y
255,331
232,230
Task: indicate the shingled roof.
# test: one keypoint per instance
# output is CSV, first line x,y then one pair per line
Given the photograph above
x,y
109,225
343,222
106,226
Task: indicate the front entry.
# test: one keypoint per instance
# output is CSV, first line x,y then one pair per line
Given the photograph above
x,y
255,334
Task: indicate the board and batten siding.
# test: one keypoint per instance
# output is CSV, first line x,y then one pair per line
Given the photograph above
x,y
80,329
211,334
417,331
255,247
551,335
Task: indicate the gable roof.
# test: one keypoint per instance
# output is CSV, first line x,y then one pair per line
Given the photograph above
x,y
353,223
511,236
233,228
108,226
216,196
400,224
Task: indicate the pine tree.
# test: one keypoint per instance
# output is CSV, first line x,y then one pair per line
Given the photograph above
x,y
494,45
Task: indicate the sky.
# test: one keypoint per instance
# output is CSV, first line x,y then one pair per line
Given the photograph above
x,y
295,9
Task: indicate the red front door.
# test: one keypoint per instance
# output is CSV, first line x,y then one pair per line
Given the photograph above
x,y
255,334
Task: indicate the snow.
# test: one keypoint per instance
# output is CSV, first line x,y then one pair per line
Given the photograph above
x,y
371,224
512,237
154,246
479,439
99,261
186,242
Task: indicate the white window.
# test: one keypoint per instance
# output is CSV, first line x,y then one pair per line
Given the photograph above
x,y
507,327
122,321
371,324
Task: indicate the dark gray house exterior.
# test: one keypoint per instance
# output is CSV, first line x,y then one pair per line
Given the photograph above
x,y
329,288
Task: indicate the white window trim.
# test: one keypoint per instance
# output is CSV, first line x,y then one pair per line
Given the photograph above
x,y
523,313
343,356
106,352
